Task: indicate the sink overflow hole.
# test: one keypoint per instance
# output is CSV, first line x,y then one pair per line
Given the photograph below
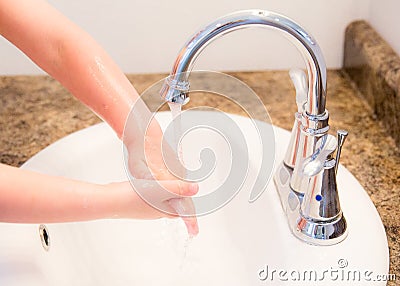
x,y
44,237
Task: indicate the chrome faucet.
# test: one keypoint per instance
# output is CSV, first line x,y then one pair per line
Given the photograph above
x,y
306,179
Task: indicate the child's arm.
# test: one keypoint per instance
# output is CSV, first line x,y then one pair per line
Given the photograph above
x,y
69,55
72,57
29,197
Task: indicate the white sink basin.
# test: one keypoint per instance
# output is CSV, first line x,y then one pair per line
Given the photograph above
x,y
235,243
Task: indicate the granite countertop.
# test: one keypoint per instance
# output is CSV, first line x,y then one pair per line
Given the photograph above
x,y
36,111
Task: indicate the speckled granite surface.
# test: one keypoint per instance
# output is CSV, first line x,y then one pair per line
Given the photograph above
x,y
375,68
36,111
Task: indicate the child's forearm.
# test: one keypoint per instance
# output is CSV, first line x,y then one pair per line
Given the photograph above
x,y
71,56
30,197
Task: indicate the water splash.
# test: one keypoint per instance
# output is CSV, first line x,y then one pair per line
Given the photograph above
x,y
175,237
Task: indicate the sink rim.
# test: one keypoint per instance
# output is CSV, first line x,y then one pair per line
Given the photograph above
x,y
342,173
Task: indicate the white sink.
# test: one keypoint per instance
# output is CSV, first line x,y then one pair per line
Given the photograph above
x,y
235,244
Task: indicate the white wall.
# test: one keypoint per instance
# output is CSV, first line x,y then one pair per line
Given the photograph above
x,y
384,17
145,36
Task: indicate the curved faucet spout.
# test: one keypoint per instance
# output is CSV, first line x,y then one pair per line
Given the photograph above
x,y
309,199
176,87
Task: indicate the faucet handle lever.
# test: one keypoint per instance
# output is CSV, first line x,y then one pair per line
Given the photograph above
x,y
316,162
341,137
299,80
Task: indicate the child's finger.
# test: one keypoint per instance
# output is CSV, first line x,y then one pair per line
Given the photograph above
x,y
157,193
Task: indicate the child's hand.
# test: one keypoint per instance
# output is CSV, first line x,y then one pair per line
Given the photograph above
x,y
164,195
147,158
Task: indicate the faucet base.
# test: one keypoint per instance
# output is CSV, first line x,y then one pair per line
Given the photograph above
x,y
311,231
320,232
